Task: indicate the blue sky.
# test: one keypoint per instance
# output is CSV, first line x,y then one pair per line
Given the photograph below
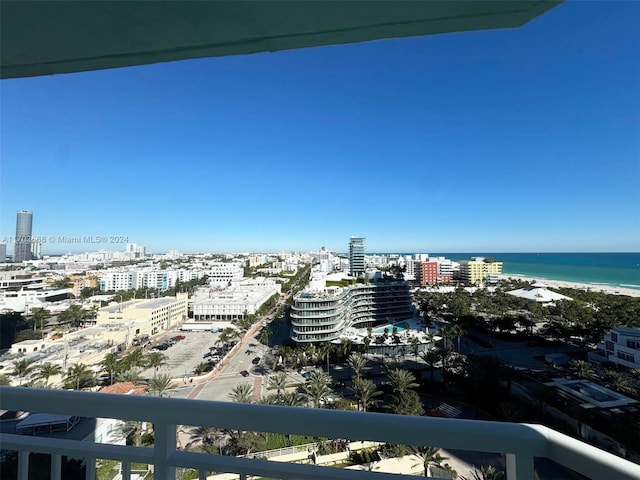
x,y
506,140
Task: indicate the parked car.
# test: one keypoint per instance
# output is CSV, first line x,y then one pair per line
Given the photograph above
x,y
244,373
255,361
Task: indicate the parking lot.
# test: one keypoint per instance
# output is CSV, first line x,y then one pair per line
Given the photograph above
x,y
186,354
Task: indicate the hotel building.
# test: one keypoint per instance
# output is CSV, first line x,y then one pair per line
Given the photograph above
x,y
477,270
324,315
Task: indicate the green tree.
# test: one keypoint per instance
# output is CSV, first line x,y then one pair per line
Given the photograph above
x,y
133,375
484,473
325,351
112,365
429,456
78,374
407,403
401,380
582,369
278,382
159,384
47,371
365,391
134,359
73,315
242,393
317,386
357,362
39,315
22,369
201,368
431,358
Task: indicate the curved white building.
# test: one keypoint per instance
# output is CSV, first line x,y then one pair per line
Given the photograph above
x,y
320,316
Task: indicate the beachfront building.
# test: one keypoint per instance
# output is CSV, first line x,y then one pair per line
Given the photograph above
x,y
356,256
620,346
235,301
480,270
150,316
324,314
538,293
434,271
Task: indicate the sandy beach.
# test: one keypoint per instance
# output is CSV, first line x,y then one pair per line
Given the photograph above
x,y
609,289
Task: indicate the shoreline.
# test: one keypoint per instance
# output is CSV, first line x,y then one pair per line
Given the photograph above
x,y
608,289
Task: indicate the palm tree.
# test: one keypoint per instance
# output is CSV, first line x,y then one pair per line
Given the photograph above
x,y
242,393
582,369
133,375
429,456
112,364
39,315
344,347
484,473
204,436
431,358
293,399
21,369
325,351
155,360
415,344
78,374
364,390
135,358
278,382
159,384
619,381
317,386
357,362
47,371
201,368
401,380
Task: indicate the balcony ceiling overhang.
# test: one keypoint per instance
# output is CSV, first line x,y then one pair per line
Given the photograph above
x,y
45,38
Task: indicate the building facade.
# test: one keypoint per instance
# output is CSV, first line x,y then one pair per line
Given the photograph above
x,y
620,346
233,302
149,316
320,316
479,270
356,256
22,244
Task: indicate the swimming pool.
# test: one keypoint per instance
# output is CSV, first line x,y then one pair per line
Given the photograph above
x,y
401,327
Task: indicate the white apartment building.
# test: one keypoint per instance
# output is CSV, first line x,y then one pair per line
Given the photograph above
x,y
223,273
620,346
233,302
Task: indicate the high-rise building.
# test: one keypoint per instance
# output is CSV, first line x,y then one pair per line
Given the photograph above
x,y
356,256
22,245
3,252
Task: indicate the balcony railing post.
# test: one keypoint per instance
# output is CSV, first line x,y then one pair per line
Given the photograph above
x,y
519,466
164,447
56,467
90,465
23,465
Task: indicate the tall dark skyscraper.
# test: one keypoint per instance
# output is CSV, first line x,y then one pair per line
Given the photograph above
x,y
22,245
356,256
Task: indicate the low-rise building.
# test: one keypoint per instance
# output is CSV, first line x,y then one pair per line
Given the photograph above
x,y
620,346
152,315
235,301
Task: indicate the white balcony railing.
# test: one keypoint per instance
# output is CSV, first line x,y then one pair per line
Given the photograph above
x,y
520,442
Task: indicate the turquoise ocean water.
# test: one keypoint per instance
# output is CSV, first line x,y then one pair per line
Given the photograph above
x,y
617,269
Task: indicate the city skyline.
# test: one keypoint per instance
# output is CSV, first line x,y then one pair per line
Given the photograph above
x,y
521,140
